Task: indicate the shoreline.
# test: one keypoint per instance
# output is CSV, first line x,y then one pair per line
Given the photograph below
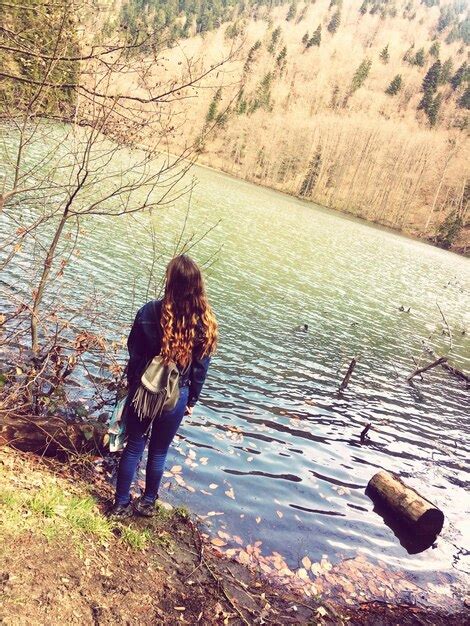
x,y
348,214
72,565
413,236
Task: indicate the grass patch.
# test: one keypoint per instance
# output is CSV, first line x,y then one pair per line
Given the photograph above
x,y
181,512
53,512
137,539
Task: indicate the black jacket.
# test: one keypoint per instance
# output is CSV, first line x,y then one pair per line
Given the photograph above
x,y
144,342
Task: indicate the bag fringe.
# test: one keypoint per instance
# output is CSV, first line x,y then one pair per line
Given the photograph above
x,y
148,405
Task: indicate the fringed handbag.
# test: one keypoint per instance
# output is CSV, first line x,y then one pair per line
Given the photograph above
x,y
158,390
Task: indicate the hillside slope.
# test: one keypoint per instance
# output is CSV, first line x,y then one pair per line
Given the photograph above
x,y
363,108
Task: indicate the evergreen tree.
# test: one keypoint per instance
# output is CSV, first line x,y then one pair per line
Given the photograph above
x,y
305,38
435,49
449,230
313,171
420,58
464,100
395,86
334,23
251,55
446,71
385,55
426,102
431,80
363,9
408,56
315,39
433,109
263,94
360,75
212,112
275,36
281,58
291,12
460,76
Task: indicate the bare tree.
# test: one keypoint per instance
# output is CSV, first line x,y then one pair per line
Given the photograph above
x,y
112,158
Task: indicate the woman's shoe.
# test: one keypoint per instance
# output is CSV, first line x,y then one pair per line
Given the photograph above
x,y
141,507
121,511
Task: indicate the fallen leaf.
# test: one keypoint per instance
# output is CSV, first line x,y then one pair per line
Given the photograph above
x,y
244,558
306,562
302,574
176,469
258,520
230,493
280,514
218,542
213,486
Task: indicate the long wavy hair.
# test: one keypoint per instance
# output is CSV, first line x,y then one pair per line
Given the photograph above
x,y
188,322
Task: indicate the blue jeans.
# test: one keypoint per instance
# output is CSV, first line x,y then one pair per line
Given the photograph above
x,y
161,435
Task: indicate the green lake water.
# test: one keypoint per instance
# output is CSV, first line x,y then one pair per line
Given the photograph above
x,y
271,425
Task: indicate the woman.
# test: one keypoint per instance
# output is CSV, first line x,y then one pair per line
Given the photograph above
x,y
180,328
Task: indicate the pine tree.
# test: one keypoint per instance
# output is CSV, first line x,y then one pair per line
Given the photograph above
x,y
363,9
291,12
426,102
446,72
431,102
433,109
408,56
212,112
305,38
315,39
334,23
460,76
275,36
281,58
431,80
395,86
385,55
311,177
449,229
434,49
420,58
464,100
360,75
251,55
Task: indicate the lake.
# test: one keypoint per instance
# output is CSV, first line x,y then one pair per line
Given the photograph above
x,y
273,449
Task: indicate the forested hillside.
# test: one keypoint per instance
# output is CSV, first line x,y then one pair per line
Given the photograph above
x,y
360,107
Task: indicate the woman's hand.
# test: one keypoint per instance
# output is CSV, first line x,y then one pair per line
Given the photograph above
x,y
189,410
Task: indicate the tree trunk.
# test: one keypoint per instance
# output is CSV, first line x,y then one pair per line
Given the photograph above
x,y
417,513
52,436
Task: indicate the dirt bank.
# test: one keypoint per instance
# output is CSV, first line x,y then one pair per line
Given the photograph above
x,y
64,562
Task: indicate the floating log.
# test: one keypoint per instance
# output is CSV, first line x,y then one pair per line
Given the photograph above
x,y
51,436
421,516
348,375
